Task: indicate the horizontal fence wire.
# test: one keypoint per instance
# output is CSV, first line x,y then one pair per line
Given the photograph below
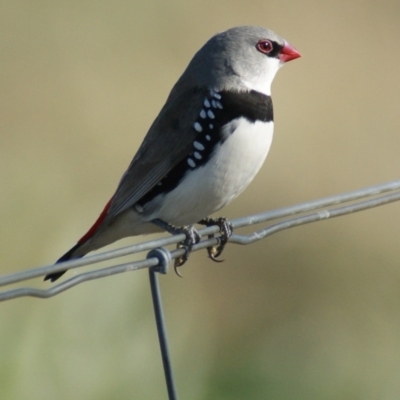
x,y
311,211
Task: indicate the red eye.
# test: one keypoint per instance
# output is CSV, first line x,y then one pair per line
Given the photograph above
x,y
265,46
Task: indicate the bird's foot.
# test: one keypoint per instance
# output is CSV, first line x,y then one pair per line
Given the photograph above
x,y
192,237
226,230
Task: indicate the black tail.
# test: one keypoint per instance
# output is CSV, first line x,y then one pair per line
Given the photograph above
x,y
67,256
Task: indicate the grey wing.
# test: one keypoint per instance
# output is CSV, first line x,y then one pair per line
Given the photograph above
x,y
168,141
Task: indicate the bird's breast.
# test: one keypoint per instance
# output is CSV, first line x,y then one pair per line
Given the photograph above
x,y
233,164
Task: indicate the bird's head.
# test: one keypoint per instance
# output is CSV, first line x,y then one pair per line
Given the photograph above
x,y
241,58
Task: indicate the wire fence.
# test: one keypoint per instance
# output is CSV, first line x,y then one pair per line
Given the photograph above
x,y
158,257
157,254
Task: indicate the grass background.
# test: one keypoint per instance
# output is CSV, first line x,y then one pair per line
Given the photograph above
x,y
310,313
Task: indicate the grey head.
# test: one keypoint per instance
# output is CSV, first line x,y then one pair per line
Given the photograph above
x,y
231,60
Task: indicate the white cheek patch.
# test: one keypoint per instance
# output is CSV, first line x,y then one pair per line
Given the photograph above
x,y
262,82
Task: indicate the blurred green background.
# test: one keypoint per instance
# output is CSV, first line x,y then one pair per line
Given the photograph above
x,y
310,313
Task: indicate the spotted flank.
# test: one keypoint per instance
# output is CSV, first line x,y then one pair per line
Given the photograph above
x,y
212,102
212,105
209,103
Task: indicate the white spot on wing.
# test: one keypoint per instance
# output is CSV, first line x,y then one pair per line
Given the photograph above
x,y
191,163
210,114
198,145
203,114
207,103
197,127
197,155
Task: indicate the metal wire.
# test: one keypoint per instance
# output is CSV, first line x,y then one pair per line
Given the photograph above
x,y
162,334
312,211
159,258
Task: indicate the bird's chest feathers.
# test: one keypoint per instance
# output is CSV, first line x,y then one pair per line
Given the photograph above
x,y
237,160
232,165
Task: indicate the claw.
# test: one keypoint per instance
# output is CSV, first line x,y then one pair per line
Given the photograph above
x,y
214,252
225,228
180,261
192,237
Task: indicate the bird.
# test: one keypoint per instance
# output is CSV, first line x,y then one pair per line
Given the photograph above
x,y
203,149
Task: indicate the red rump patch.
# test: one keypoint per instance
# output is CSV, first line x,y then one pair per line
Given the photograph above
x,y
93,229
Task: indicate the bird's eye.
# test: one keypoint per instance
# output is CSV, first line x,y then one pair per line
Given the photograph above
x,y
265,46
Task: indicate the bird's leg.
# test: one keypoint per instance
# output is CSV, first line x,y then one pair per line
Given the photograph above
x,y
192,237
225,228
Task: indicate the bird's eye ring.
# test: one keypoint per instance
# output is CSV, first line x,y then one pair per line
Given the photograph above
x,y
265,46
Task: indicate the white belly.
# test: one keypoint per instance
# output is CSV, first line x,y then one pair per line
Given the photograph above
x,y
230,169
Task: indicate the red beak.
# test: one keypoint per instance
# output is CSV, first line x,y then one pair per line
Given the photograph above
x,y
288,53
